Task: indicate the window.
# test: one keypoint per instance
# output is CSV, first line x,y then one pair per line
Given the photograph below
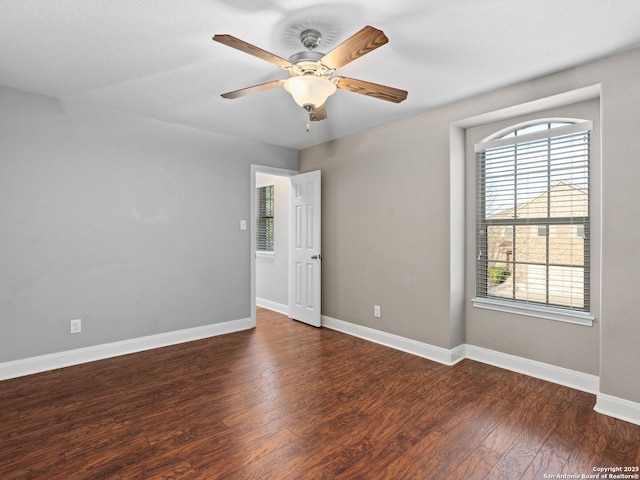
x,y
532,219
264,218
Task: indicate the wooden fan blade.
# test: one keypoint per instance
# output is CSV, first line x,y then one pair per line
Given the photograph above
x,y
245,47
253,89
382,92
354,47
318,113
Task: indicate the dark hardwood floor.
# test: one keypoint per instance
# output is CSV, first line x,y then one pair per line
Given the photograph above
x,y
288,401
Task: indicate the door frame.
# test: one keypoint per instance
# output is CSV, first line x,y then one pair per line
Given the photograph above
x,y
281,172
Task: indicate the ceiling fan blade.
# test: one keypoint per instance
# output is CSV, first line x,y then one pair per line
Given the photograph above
x,y
354,47
253,89
317,114
245,47
382,92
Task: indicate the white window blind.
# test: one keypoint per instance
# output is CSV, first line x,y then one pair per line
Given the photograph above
x,y
264,218
532,198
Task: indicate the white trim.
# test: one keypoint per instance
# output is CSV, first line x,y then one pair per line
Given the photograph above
x,y
545,103
507,130
578,127
430,352
605,404
544,371
264,184
43,363
265,254
270,305
549,313
618,408
562,376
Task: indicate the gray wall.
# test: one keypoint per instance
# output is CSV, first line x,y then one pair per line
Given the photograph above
x,y
394,222
385,228
131,225
272,273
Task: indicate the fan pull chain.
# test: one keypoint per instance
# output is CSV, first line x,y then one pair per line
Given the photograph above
x,y
308,127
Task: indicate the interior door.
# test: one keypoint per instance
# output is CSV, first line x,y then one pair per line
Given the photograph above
x,y
305,257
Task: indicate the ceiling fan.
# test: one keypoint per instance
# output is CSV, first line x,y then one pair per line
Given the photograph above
x,y
310,79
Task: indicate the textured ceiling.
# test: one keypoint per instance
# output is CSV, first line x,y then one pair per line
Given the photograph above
x,y
156,58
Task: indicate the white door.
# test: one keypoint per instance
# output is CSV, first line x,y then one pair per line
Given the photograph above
x,y
305,257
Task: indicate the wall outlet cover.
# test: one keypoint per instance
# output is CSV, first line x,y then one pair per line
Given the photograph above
x,y
75,326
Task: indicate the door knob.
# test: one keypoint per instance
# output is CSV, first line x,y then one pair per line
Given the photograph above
x,y
316,257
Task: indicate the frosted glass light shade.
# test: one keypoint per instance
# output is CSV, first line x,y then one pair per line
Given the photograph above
x,y
309,90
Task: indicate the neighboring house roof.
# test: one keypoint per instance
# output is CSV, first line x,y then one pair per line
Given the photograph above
x,y
508,212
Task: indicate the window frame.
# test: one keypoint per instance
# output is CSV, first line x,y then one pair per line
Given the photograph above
x,y
505,137
260,216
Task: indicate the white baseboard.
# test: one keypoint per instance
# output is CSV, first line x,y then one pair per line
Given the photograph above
x,y
605,404
275,306
430,352
28,366
618,408
544,371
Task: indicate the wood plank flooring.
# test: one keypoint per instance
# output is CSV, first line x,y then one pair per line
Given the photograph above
x,y
289,401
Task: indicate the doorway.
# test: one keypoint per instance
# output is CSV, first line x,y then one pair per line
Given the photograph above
x,y
270,267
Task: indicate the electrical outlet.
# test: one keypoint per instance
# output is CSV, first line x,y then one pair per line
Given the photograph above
x,y
376,311
75,326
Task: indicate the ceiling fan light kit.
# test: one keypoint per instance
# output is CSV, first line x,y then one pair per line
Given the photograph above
x,y
310,91
310,82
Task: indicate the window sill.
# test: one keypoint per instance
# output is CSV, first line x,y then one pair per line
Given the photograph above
x,y
549,313
265,254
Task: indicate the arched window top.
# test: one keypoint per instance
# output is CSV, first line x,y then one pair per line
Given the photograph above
x,y
534,130
531,126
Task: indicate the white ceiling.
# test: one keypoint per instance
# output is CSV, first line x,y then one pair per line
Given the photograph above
x,y
155,58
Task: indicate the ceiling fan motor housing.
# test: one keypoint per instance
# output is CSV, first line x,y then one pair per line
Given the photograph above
x,y
310,38
308,62
306,57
